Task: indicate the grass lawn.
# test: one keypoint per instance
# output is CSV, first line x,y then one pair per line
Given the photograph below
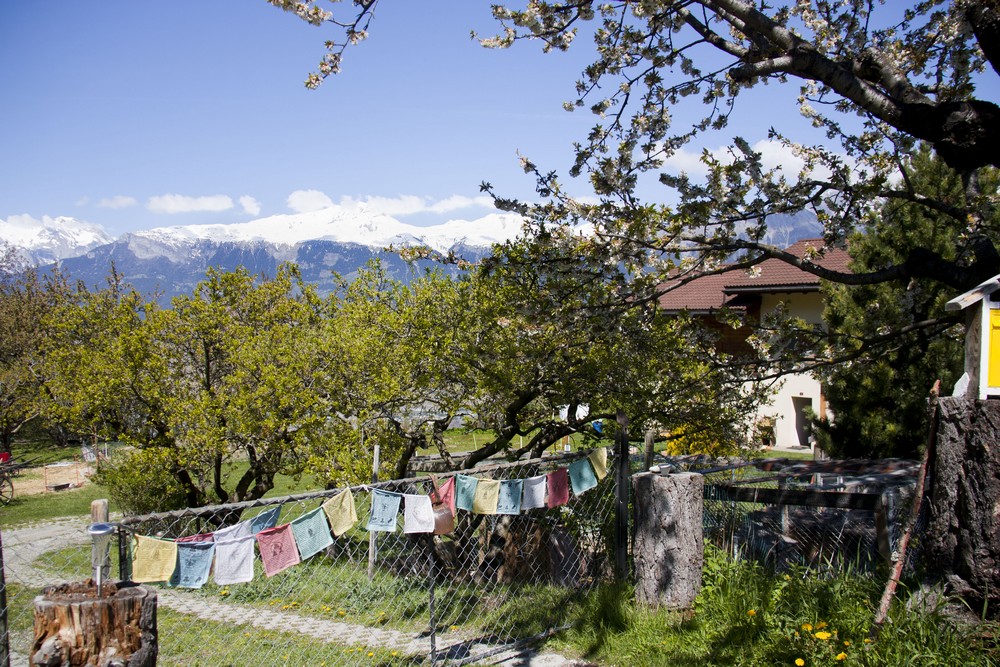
x,y
76,502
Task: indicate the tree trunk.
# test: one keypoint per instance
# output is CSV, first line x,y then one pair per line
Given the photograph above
x,y
75,627
962,542
668,550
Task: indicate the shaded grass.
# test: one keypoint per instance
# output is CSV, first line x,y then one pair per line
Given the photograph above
x,y
749,616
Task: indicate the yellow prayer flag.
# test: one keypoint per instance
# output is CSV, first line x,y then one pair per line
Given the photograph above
x,y
487,496
153,559
599,460
341,513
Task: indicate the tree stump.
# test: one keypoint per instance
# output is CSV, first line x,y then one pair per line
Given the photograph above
x,y
668,550
74,627
961,544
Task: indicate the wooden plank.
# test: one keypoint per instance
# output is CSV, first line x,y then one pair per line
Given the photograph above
x,y
854,501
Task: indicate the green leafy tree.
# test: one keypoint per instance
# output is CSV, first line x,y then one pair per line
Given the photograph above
x,y
878,395
222,386
23,302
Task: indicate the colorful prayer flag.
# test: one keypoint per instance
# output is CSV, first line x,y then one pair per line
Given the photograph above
x,y
446,494
201,537
487,495
153,559
266,519
312,533
509,501
234,560
240,530
277,549
599,459
581,476
418,514
385,509
557,483
533,496
341,512
194,563
465,491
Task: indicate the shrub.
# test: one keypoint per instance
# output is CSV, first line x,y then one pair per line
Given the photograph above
x,y
141,481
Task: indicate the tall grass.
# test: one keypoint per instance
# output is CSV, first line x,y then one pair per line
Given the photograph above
x,y
748,615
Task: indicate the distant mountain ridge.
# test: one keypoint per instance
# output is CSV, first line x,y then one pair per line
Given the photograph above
x,y
168,261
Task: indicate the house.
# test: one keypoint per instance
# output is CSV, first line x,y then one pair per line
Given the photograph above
x,y
757,293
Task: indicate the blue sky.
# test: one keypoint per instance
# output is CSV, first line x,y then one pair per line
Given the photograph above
x,y
134,115
114,102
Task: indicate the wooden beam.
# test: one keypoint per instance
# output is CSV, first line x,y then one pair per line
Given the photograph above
x,y
854,501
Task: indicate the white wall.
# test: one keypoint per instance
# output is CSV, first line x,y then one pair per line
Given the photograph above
x,y
783,406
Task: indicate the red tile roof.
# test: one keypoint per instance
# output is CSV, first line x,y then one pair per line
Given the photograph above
x,y
711,292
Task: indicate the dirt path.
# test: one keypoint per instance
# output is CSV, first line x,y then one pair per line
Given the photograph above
x,y
51,478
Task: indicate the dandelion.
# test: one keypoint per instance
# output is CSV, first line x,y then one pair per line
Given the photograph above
x,y
752,612
867,640
847,643
370,654
807,627
823,636
840,656
821,625
453,628
800,662
394,653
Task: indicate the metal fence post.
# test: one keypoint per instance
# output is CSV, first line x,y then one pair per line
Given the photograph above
x,y
622,475
430,605
4,626
124,562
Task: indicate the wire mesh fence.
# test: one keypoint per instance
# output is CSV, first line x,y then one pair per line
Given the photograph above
x,y
368,597
822,515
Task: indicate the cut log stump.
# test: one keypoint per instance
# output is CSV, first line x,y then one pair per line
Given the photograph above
x,y
75,627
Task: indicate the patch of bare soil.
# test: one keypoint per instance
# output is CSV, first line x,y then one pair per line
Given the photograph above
x,y
52,478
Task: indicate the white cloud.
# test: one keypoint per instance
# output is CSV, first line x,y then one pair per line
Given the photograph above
x,y
118,201
773,155
250,205
404,205
307,201
186,204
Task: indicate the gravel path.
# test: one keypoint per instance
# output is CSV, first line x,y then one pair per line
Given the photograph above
x,y
23,546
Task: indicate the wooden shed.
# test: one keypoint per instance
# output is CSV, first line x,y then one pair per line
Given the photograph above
x,y
982,340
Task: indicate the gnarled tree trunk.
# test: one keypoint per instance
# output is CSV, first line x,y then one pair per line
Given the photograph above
x,y
962,540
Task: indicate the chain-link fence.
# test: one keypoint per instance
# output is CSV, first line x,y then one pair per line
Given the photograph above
x,y
369,597
817,514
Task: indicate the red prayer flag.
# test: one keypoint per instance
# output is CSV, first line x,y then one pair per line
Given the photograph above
x,y
558,486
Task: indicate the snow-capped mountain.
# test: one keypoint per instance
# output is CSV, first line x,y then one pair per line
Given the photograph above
x,y
167,261
50,240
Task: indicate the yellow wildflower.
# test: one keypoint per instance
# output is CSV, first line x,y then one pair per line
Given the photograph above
x,y
800,662
752,612
821,625
840,656
847,643
807,627
822,635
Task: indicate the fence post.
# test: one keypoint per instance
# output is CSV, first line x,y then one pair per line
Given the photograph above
x,y
124,561
4,626
430,606
622,474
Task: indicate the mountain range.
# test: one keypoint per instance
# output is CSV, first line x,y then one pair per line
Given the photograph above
x,y
167,261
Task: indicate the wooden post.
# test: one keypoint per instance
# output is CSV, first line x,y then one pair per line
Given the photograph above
x,y
73,626
669,545
650,443
622,475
